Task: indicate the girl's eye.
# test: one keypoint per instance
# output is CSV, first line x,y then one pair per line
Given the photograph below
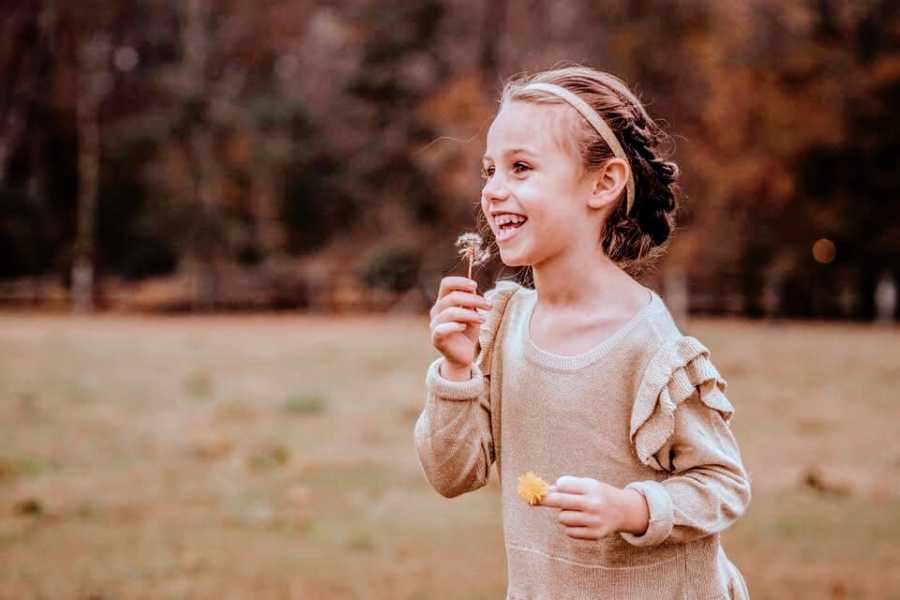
x,y
489,172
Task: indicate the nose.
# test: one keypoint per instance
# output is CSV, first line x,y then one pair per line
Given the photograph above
x,y
494,189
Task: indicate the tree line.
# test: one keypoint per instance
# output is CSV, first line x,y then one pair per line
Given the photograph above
x,y
288,147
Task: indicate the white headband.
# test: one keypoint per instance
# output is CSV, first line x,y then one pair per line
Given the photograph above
x,y
599,124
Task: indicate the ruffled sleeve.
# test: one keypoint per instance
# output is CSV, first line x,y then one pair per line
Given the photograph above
x,y
680,426
499,297
676,371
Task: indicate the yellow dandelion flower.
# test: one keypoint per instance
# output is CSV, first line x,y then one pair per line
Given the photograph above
x,y
532,488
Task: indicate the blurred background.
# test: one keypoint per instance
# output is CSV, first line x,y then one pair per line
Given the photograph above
x,y
222,224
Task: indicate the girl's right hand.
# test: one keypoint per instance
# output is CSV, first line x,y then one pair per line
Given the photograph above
x,y
455,322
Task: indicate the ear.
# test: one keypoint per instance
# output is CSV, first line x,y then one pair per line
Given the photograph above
x,y
608,182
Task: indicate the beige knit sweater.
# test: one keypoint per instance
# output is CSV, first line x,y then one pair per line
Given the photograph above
x,y
645,409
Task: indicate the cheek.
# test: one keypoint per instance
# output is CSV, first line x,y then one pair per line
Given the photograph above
x,y
532,195
542,190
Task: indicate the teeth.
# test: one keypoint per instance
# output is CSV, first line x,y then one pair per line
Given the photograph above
x,y
504,219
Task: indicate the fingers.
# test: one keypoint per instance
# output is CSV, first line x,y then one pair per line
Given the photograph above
x,y
462,299
441,331
451,283
578,515
458,315
564,501
568,493
570,484
573,518
581,533
581,525
455,311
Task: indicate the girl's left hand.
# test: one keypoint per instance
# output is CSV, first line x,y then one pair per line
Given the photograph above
x,y
590,509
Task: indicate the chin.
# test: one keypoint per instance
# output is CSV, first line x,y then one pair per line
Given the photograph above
x,y
513,260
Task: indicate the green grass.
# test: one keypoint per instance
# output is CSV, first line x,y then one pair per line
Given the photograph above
x,y
305,403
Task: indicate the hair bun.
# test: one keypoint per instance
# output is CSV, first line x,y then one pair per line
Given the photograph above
x,y
634,238
667,171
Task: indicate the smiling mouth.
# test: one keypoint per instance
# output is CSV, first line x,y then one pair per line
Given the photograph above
x,y
509,230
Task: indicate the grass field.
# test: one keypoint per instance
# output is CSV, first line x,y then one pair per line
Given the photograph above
x,y
273,457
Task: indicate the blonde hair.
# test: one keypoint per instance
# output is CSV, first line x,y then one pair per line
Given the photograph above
x,y
633,241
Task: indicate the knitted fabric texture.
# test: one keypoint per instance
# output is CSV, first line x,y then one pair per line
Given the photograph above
x,y
645,409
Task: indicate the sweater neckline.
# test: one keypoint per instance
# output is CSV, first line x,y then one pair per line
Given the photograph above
x,y
572,362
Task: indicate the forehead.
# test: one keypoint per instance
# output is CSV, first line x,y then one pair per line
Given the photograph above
x,y
544,130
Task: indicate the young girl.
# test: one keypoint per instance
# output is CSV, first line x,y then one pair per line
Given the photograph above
x,y
585,380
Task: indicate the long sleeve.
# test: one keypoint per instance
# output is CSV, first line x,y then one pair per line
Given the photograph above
x,y
680,426
453,432
709,488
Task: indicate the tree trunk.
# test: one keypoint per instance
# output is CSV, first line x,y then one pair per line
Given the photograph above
x,y
886,298
867,283
772,295
92,58
202,243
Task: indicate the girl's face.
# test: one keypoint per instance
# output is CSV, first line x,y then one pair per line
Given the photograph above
x,y
529,171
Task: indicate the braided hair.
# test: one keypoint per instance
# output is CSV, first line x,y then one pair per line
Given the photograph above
x,y
632,240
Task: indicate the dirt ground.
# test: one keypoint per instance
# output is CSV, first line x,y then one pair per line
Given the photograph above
x,y
273,457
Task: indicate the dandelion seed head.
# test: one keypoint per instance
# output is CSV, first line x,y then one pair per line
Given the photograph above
x,y
469,242
471,247
482,257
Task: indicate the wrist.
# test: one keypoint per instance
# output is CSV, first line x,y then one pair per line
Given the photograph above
x,y
635,512
454,372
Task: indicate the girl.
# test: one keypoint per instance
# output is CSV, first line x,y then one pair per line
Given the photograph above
x,y
584,379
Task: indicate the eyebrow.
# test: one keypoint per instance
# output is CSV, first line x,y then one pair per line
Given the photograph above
x,y
512,151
